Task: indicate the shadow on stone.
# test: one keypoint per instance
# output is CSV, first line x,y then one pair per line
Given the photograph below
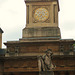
x,y
46,73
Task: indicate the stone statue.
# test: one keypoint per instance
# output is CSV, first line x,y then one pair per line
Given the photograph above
x,y
45,63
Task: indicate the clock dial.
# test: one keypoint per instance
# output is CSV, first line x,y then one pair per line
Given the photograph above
x,y
41,14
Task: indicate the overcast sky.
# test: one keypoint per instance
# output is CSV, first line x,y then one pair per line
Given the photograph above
x,y
13,19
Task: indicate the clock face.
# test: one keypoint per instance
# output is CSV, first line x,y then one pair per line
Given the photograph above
x,y
41,14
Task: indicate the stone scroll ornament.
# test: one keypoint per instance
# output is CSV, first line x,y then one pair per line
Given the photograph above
x,y
45,63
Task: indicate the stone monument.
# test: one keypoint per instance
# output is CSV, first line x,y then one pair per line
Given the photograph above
x,y
41,34
45,63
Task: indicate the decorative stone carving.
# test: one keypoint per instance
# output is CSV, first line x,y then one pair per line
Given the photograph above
x,y
45,63
46,7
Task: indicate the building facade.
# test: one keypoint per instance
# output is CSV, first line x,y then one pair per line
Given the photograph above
x,y
41,33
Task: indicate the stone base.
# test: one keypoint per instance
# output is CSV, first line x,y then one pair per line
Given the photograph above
x,y
46,73
53,32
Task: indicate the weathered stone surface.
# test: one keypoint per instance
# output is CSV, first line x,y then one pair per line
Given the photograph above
x,y
1,31
41,32
38,0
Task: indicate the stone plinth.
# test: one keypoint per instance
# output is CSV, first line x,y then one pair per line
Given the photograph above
x,y
42,32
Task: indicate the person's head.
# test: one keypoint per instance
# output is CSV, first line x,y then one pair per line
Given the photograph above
x,y
49,52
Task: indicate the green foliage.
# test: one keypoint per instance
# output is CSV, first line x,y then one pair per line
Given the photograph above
x,y
73,44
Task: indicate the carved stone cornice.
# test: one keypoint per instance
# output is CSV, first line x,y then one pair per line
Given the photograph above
x,y
39,0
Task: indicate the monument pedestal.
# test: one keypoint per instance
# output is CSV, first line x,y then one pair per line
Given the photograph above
x,y
46,73
42,32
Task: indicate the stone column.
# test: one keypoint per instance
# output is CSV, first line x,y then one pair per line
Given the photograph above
x,y
1,31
